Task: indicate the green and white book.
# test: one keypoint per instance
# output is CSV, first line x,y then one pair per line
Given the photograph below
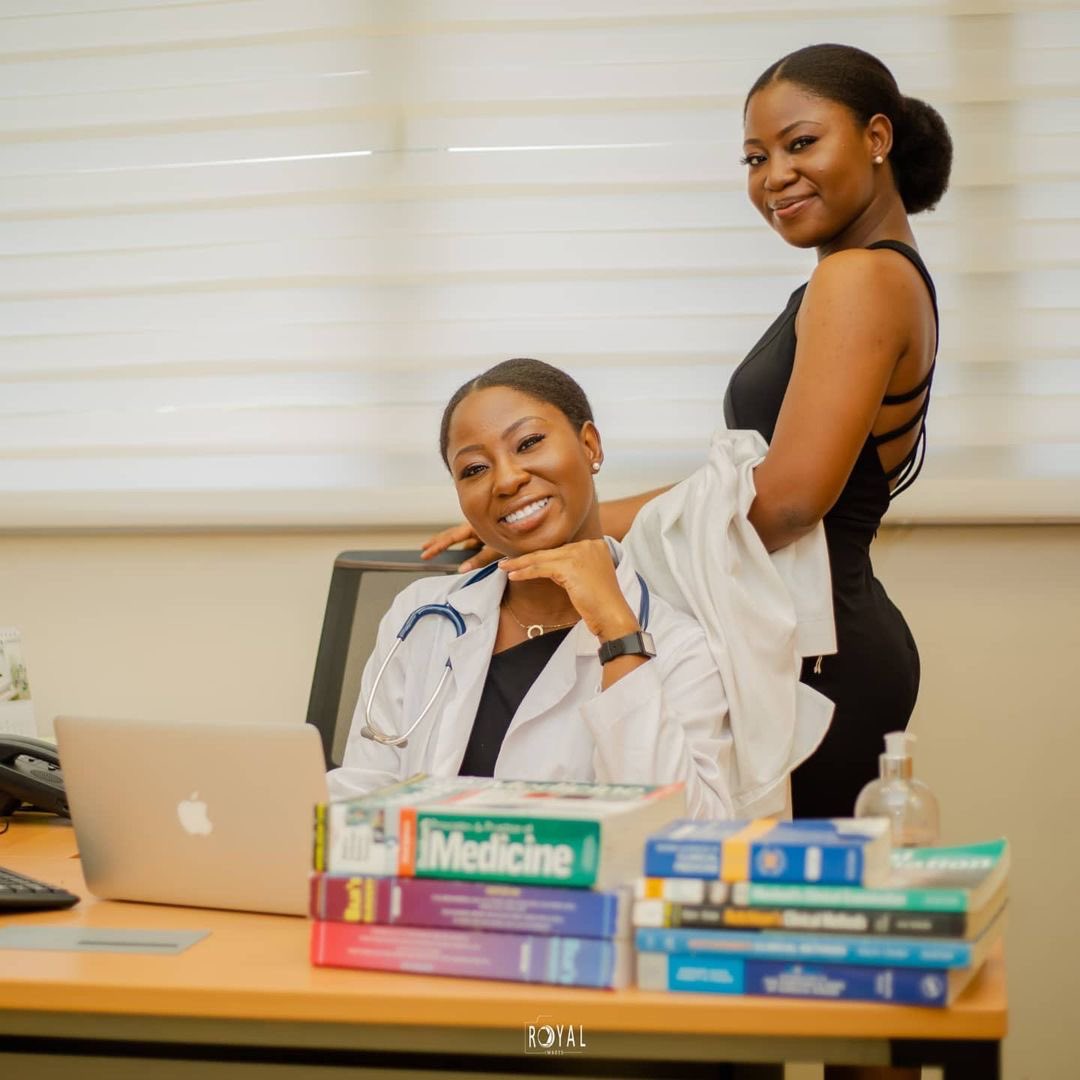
x,y
477,829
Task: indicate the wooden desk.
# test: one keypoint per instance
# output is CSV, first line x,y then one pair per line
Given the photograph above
x,y
247,994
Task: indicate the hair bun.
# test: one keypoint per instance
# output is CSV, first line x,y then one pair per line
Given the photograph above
x,y
922,155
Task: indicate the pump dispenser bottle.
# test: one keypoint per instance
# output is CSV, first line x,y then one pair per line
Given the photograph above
x,y
908,803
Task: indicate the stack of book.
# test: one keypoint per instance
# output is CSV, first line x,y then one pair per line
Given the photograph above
x,y
817,909
528,881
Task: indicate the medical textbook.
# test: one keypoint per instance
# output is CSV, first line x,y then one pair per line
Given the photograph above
x,y
532,958
846,982
522,832
969,881
825,852
470,905
657,912
823,948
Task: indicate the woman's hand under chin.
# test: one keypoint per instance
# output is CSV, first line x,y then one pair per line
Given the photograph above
x,y
460,534
586,571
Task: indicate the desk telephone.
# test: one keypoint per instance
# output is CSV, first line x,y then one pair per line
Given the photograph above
x,y
30,776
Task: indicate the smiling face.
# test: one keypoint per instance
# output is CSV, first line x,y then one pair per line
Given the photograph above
x,y
810,167
523,473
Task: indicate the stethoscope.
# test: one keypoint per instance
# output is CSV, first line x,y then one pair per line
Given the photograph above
x,y
449,612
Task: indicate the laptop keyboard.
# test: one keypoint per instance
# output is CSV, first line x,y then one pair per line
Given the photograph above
x,y
21,893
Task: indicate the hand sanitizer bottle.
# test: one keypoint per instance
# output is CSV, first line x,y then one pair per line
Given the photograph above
x,y
897,795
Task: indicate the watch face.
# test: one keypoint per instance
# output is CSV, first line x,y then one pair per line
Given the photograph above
x,y
636,644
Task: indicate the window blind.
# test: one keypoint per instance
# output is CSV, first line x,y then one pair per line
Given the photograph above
x,y
248,248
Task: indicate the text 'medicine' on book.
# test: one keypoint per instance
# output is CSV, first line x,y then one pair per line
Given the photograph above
x,y
524,832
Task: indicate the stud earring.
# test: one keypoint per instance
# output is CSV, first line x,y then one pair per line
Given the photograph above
x,y
596,466
879,160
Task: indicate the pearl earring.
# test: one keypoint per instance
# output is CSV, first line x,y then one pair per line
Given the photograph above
x,y
879,160
596,466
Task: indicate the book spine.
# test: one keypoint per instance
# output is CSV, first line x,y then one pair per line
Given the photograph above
x,y
354,840
732,975
741,860
661,913
486,847
468,905
683,890
667,858
809,947
760,894
564,961
797,863
341,898
319,853
900,986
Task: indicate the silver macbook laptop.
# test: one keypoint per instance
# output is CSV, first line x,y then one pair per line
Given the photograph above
x,y
211,815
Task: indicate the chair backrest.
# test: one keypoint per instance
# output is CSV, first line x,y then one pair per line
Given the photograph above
x,y
362,587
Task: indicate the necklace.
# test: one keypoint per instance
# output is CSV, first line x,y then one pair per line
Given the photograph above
x,y
536,629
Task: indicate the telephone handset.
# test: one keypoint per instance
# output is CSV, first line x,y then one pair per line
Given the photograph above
x,y
30,776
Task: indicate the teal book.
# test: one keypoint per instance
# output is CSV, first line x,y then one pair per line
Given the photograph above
x,y
824,948
784,978
571,834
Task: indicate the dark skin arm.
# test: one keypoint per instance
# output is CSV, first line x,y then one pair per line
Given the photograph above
x,y
853,329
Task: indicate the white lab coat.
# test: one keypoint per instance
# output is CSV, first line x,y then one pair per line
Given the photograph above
x,y
761,613
664,721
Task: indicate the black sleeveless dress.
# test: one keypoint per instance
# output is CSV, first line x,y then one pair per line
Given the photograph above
x,y
874,676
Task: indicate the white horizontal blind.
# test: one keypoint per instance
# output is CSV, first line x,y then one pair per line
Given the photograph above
x,y
249,247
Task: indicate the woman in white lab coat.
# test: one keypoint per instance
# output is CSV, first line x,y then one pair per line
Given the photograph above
x,y
529,696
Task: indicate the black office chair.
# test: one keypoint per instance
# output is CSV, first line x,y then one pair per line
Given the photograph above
x,y
362,587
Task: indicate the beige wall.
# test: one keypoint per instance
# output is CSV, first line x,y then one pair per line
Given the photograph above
x,y
226,627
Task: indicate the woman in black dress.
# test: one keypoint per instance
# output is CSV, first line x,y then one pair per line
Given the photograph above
x,y
839,385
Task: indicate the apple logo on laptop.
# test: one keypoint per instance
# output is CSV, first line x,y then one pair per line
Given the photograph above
x,y
193,816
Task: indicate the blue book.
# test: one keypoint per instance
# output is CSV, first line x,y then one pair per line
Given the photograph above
x,y
736,975
828,948
834,852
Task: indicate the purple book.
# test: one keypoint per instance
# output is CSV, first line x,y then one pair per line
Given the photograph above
x,y
470,905
531,958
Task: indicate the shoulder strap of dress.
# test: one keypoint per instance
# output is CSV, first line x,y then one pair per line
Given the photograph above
x,y
915,259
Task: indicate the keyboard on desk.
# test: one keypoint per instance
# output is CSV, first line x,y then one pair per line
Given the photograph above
x,y
21,893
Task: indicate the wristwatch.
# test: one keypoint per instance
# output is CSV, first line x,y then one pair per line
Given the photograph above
x,y
639,643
